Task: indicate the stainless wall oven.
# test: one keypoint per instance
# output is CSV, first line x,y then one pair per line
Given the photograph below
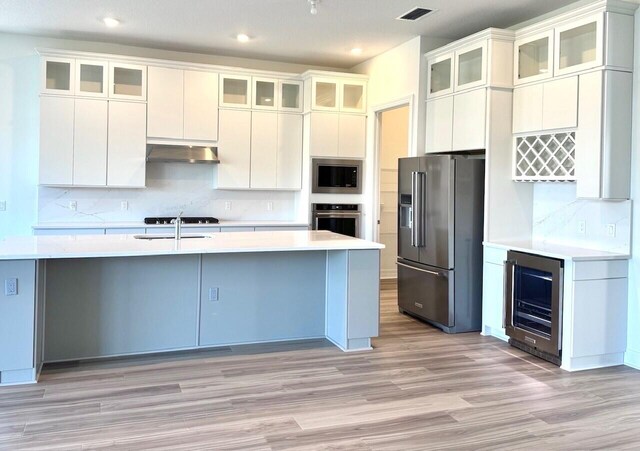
x,y
337,176
338,218
533,304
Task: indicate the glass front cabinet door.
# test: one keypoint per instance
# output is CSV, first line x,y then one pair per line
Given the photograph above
x,y
58,75
291,96
235,91
578,46
353,97
265,93
533,58
440,75
91,78
128,81
471,66
324,94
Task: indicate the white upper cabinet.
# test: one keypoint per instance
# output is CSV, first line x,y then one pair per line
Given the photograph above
x,y
533,58
127,146
469,120
165,104
337,95
90,142
324,94
92,78
200,105
265,93
127,81
58,75
551,105
289,158
264,149
471,66
579,45
290,96
440,125
182,104
56,140
235,91
234,150
352,98
440,75
352,135
337,135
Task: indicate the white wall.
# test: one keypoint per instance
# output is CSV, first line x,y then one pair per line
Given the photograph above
x,y
632,356
19,122
396,75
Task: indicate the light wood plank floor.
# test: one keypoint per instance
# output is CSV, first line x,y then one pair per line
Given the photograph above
x,y
419,389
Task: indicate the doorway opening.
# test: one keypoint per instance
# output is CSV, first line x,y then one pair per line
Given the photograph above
x,y
393,143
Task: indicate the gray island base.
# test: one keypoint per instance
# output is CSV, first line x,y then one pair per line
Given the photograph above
x,y
306,286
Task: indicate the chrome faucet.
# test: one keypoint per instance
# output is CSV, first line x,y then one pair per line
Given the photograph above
x,y
178,226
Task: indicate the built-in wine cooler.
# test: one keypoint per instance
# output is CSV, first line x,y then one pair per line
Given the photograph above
x,y
533,304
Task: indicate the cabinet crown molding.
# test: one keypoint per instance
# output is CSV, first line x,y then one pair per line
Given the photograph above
x,y
489,33
554,19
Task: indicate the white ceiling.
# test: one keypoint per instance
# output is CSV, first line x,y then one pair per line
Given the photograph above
x,y
283,30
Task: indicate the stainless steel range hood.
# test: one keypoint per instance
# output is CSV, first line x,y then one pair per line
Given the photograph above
x,y
163,153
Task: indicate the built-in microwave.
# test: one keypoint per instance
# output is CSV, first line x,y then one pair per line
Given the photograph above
x,y
337,176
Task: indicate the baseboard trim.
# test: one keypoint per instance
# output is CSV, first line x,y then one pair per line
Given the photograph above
x,y
632,358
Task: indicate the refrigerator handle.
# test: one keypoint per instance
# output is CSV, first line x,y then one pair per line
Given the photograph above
x,y
422,241
414,212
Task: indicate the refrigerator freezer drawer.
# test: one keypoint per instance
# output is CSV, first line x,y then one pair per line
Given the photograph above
x,y
426,292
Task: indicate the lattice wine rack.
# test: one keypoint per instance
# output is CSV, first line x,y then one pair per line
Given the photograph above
x,y
550,157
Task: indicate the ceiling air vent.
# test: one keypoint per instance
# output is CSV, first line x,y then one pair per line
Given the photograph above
x,y
415,14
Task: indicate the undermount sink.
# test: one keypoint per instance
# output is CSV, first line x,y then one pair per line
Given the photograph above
x,y
167,237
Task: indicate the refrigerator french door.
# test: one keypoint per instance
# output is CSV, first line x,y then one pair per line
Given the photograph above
x,y
440,229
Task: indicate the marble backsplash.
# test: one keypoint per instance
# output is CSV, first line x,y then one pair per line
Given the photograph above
x,y
557,214
171,188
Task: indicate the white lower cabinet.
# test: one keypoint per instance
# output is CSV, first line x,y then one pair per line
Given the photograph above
x,y
90,142
56,140
337,135
126,150
493,293
440,125
469,120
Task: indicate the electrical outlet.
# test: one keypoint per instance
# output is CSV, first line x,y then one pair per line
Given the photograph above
x,y
213,294
227,205
3,205
269,206
582,227
73,205
611,230
124,205
11,287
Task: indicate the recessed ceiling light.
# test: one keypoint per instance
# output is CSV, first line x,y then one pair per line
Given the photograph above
x,y
356,51
111,22
241,37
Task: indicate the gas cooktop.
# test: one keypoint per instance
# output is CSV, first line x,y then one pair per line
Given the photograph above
x,y
185,220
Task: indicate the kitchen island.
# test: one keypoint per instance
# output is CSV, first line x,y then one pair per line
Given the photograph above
x,y
91,296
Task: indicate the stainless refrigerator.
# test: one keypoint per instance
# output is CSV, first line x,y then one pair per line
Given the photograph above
x,y
440,231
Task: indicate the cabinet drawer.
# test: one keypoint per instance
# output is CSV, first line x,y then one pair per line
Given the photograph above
x,y
495,255
605,269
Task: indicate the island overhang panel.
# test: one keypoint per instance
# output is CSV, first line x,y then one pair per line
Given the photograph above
x,y
90,297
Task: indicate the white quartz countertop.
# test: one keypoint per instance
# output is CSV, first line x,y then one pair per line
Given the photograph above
x,y
96,246
142,225
557,250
